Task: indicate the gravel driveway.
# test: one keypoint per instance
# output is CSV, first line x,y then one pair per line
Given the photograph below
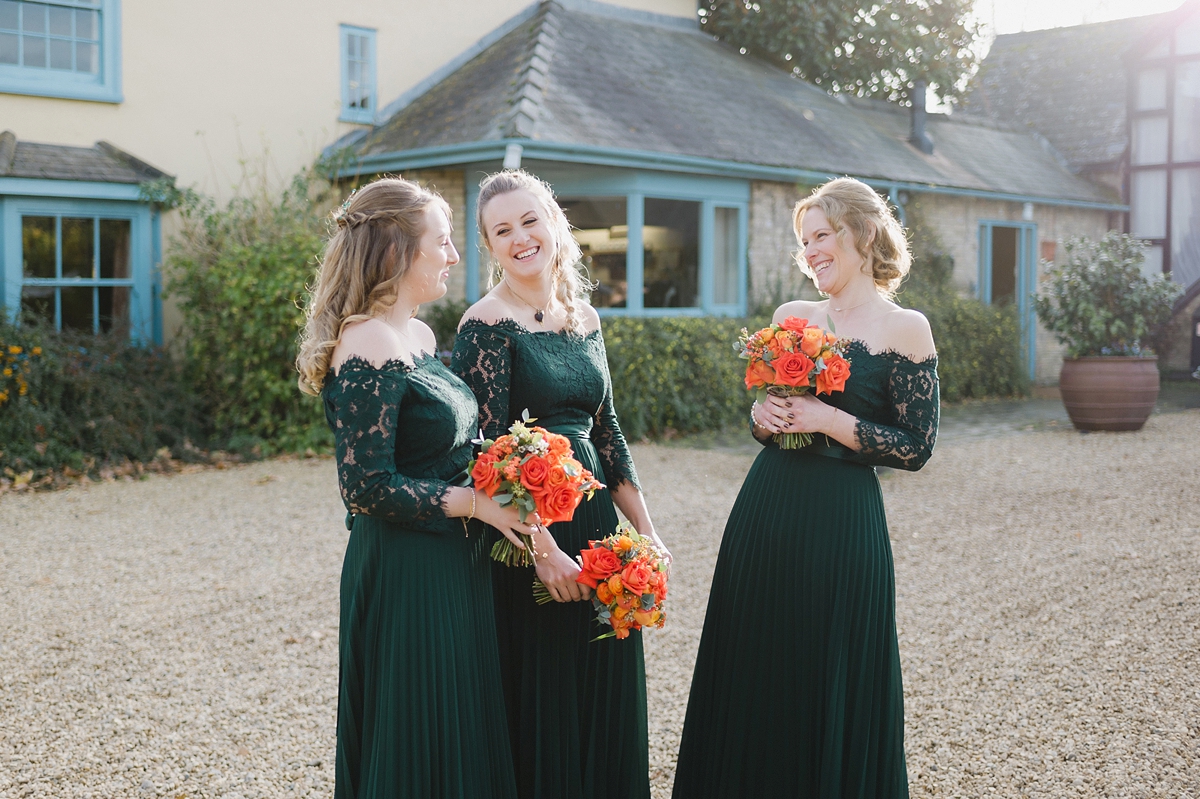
x,y
177,636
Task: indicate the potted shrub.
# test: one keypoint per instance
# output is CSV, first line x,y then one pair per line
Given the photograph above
x,y
1106,311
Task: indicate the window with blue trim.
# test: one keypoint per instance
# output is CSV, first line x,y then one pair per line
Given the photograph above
x,y
60,48
76,271
358,74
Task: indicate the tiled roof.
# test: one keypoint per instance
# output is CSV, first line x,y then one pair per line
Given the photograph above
x,y
101,163
1069,84
583,74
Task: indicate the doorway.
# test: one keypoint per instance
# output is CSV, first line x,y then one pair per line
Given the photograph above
x,y
1007,268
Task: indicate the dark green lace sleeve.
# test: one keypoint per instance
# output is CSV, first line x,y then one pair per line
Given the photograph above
x,y
906,441
364,415
483,359
608,439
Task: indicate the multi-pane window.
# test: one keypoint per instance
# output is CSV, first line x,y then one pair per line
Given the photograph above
x,y
659,255
1164,153
358,74
51,36
76,271
61,48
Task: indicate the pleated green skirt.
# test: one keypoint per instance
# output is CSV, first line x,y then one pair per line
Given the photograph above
x,y
797,689
576,707
420,706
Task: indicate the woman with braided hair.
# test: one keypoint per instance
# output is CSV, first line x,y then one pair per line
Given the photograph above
x,y
576,707
420,712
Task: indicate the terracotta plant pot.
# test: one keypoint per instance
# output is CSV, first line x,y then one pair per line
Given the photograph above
x,y
1109,392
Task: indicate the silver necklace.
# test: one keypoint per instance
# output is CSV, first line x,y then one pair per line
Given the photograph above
x,y
538,313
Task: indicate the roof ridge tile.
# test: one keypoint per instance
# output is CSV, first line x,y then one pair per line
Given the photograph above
x,y
528,96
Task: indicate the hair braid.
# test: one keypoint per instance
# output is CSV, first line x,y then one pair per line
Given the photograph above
x,y
568,284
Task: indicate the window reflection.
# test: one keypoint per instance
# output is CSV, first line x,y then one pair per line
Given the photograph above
x,y
671,242
600,228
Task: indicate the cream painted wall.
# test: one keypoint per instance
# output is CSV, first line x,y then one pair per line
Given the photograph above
x,y
210,87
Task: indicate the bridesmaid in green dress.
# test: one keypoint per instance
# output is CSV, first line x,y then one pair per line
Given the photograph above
x,y
576,708
797,689
420,707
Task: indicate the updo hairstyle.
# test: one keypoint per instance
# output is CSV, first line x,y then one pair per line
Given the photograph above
x,y
854,209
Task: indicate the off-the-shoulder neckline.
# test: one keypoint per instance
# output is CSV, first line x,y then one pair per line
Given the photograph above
x,y
892,353
360,364
510,322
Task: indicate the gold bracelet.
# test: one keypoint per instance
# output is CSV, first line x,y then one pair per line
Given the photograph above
x,y
534,548
466,532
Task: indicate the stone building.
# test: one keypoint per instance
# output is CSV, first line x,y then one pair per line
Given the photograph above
x,y
679,160
1121,102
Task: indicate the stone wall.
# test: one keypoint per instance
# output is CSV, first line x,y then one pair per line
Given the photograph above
x,y
452,185
774,276
955,221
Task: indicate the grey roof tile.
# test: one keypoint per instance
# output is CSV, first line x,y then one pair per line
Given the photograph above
x,y
1069,84
103,162
622,81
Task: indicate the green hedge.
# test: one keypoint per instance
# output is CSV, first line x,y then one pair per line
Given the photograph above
x,y
239,275
88,402
676,375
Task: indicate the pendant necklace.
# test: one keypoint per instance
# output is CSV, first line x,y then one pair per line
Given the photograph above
x,y
852,307
538,313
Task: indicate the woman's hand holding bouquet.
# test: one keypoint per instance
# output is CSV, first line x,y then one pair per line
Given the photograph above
x,y
791,359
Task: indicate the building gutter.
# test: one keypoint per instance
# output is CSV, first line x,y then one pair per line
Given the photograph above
x,y
533,150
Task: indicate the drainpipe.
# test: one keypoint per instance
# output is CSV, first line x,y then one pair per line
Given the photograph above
x,y
917,135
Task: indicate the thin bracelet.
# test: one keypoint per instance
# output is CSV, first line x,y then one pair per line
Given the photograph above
x,y
466,532
534,548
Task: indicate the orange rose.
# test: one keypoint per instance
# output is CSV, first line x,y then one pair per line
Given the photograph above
x,y
645,618
485,474
794,324
658,584
620,612
599,564
621,627
636,577
759,374
833,378
558,504
624,543
534,472
559,445
776,347
793,369
811,340
614,585
603,593
557,477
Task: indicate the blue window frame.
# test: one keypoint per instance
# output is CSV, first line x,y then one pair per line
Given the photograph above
x,y
61,48
655,244
358,74
1007,274
81,264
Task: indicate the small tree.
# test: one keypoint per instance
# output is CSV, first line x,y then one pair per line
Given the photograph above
x,y
1100,302
848,46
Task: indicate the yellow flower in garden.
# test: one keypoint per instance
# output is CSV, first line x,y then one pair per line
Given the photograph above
x,y
8,371
3,397
14,349
37,350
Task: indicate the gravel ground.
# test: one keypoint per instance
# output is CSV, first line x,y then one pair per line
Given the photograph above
x,y
176,636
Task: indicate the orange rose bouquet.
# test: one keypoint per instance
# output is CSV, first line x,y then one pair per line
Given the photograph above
x,y
789,359
629,576
535,470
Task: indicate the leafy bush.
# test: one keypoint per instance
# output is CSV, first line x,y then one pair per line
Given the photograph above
x,y
239,273
85,402
443,317
1099,302
676,374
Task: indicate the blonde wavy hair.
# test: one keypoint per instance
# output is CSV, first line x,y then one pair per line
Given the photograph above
x,y
568,284
375,236
854,208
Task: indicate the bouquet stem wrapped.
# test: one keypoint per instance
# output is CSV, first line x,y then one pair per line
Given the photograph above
x,y
791,359
535,470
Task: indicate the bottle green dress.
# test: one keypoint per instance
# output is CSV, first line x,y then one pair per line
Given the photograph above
x,y
797,689
576,707
420,707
